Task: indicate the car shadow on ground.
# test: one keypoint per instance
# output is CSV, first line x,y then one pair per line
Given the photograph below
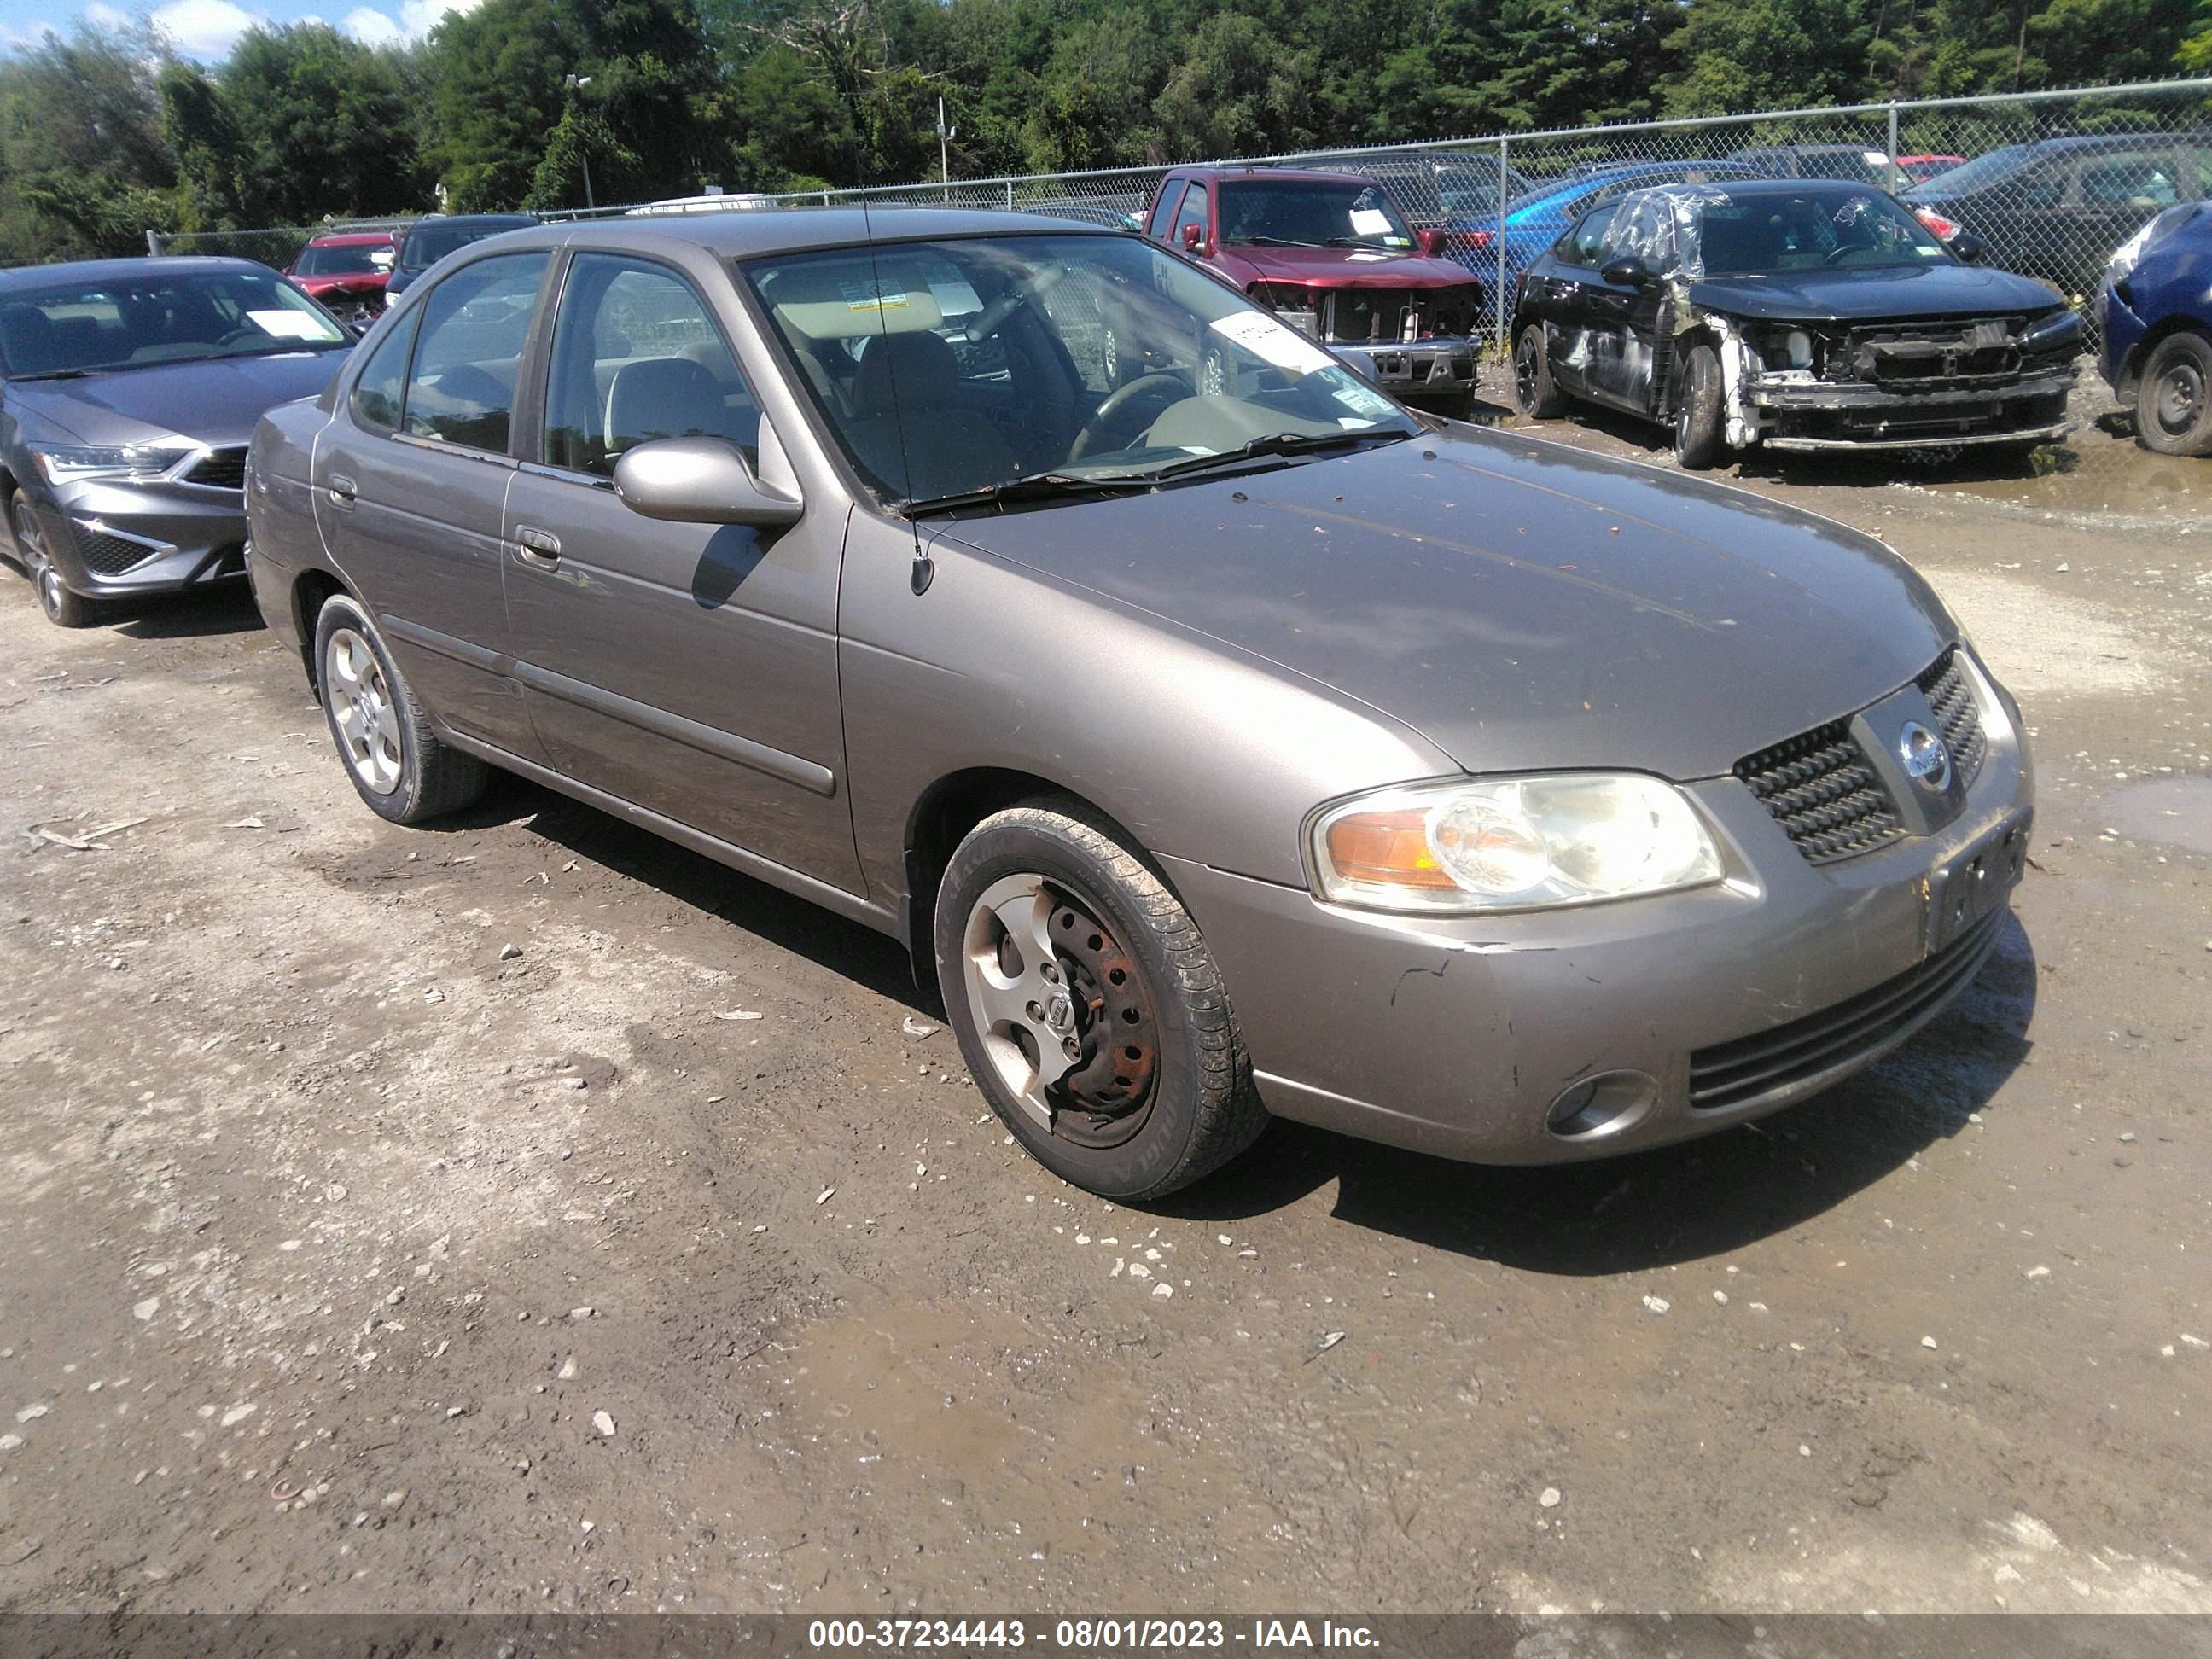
x,y
226,609
1675,1204
714,890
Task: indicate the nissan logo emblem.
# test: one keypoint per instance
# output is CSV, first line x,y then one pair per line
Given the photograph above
x,y
1927,762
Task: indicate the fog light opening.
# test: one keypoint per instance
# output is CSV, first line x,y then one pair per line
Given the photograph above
x,y
1603,1105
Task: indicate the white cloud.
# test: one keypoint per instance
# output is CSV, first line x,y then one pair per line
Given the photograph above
x,y
205,28
373,27
107,17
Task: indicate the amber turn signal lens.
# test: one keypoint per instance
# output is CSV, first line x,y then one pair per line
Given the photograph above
x,y
1386,849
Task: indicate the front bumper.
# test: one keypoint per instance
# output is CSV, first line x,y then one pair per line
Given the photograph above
x,y
115,540
1456,1037
1798,412
1433,367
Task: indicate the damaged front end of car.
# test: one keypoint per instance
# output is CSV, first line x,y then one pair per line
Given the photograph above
x,y
1893,383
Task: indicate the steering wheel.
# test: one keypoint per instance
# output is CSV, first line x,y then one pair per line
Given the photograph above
x,y
1841,251
244,332
1157,384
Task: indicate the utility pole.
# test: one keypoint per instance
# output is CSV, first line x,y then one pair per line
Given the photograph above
x,y
944,134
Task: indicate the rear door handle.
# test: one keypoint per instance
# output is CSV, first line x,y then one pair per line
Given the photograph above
x,y
538,546
344,491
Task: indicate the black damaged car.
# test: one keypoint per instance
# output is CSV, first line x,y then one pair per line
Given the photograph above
x,y
1799,314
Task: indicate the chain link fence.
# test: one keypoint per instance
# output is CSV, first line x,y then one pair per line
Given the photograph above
x,y
2051,182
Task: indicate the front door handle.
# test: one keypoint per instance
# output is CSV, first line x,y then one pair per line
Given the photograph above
x,y
344,491
538,546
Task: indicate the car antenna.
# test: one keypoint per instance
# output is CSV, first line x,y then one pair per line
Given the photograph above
x,y
925,568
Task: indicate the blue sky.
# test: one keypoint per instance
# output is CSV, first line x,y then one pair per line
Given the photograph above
x,y
206,29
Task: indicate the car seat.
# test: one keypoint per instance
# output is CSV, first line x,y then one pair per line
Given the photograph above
x,y
908,423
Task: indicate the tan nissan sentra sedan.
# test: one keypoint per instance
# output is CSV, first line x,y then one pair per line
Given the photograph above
x,y
1221,738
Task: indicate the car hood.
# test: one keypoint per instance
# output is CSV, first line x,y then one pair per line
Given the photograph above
x,y
1349,267
352,281
1941,289
1519,603
211,403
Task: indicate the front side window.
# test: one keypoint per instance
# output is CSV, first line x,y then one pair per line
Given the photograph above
x,y
1192,212
1095,358
1584,246
1311,213
2130,180
1157,227
468,349
636,358
130,322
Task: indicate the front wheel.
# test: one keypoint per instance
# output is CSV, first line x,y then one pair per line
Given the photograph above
x,y
1697,436
63,608
1088,1008
2173,399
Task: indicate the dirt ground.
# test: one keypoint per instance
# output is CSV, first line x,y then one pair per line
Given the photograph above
x,y
349,1260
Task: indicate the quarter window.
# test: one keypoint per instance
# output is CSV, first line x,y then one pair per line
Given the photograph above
x,y
382,386
636,358
468,348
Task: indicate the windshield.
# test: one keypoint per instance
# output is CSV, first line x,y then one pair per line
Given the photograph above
x,y
1974,174
129,322
957,366
352,259
1311,213
1840,228
427,244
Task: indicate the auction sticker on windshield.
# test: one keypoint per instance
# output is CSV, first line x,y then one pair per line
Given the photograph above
x,y
1265,337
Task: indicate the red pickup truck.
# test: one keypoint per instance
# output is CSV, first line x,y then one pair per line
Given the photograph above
x,y
1332,255
347,271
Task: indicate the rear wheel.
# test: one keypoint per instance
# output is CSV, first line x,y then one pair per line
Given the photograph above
x,y
1088,1008
1698,438
63,608
1533,391
2173,399
398,765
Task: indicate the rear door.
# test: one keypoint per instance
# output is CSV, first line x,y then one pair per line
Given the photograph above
x,y
411,479
689,669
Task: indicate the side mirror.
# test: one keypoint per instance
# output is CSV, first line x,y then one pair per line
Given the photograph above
x,y
1628,271
1432,243
1968,248
1192,236
698,481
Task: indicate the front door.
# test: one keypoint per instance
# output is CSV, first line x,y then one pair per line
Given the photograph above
x,y
689,669
411,480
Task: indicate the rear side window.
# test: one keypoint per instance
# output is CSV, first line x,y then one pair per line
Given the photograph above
x,y
382,386
2131,179
468,347
636,358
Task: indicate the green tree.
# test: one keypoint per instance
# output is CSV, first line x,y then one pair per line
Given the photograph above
x,y
84,168
1239,90
1740,55
320,127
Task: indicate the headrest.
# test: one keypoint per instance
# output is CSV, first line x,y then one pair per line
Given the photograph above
x,y
905,371
663,398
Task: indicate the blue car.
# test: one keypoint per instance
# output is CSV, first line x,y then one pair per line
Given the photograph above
x,y
2156,308
1539,216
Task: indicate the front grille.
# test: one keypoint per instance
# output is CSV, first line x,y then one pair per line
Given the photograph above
x,y
1376,316
1823,793
222,469
1849,1034
110,555
1956,712
1916,357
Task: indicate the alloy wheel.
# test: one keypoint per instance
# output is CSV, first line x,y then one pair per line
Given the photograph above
x,y
361,708
30,538
1063,1010
1525,367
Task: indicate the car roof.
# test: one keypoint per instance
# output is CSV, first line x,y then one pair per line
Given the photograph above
x,y
1761,185
348,238
21,278
796,230
475,219
1297,175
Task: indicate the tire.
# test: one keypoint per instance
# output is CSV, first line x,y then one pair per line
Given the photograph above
x,y
398,764
2173,398
1533,393
1698,438
1040,901
63,608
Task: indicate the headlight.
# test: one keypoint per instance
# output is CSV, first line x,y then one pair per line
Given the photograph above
x,y
1789,349
2126,257
139,463
1511,843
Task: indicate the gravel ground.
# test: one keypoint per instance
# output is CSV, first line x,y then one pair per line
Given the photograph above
x,y
350,1260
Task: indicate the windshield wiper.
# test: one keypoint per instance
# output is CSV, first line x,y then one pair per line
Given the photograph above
x,y
1036,487
1277,242
1281,443
56,374
1359,241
